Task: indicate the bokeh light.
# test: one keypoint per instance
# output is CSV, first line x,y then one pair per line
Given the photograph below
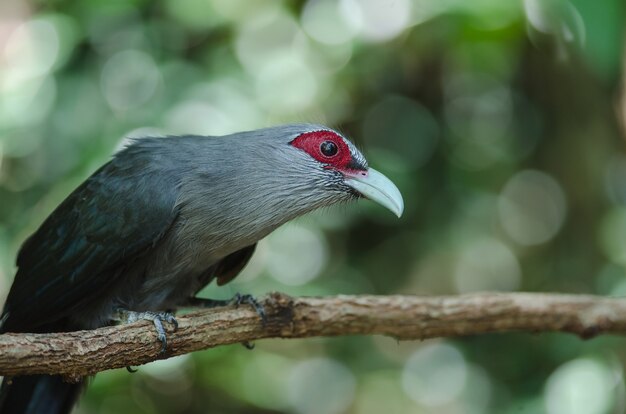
x,y
377,20
615,179
320,386
324,22
532,207
613,234
284,261
487,264
581,386
435,375
479,114
271,79
129,79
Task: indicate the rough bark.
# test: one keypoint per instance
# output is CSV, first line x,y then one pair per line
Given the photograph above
x,y
82,353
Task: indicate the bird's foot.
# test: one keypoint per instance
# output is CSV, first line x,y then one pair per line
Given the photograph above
x,y
157,319
236,300
240,299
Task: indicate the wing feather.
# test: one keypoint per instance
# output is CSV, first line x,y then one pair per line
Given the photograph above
x,y
80,250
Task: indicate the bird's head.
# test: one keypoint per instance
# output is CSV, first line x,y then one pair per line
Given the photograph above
x,y
241,187
272,175
345,168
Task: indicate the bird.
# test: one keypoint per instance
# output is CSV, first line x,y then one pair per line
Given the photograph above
x,y
164,217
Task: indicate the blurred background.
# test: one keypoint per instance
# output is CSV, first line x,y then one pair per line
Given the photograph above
x,y
500,121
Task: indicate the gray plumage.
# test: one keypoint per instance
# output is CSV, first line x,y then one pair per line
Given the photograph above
x,y
144,231
203,170
164,218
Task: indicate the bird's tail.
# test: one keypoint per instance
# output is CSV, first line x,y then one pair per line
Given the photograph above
x,y
35,394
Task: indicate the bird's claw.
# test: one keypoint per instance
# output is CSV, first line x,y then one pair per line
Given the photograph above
x,y
240,299
157,319
236,300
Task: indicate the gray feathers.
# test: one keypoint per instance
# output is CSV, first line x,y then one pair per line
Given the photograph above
x,y
151,227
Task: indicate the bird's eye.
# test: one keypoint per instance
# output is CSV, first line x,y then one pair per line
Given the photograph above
x,y
328,148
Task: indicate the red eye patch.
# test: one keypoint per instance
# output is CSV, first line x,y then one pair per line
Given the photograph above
x,y
326,147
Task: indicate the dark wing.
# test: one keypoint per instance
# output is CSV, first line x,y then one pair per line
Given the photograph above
x,y
230,266
82,247
225,270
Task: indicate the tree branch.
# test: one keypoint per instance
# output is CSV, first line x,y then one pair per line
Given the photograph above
x,y
77,354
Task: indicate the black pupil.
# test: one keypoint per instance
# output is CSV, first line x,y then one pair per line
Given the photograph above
x,y
328,148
